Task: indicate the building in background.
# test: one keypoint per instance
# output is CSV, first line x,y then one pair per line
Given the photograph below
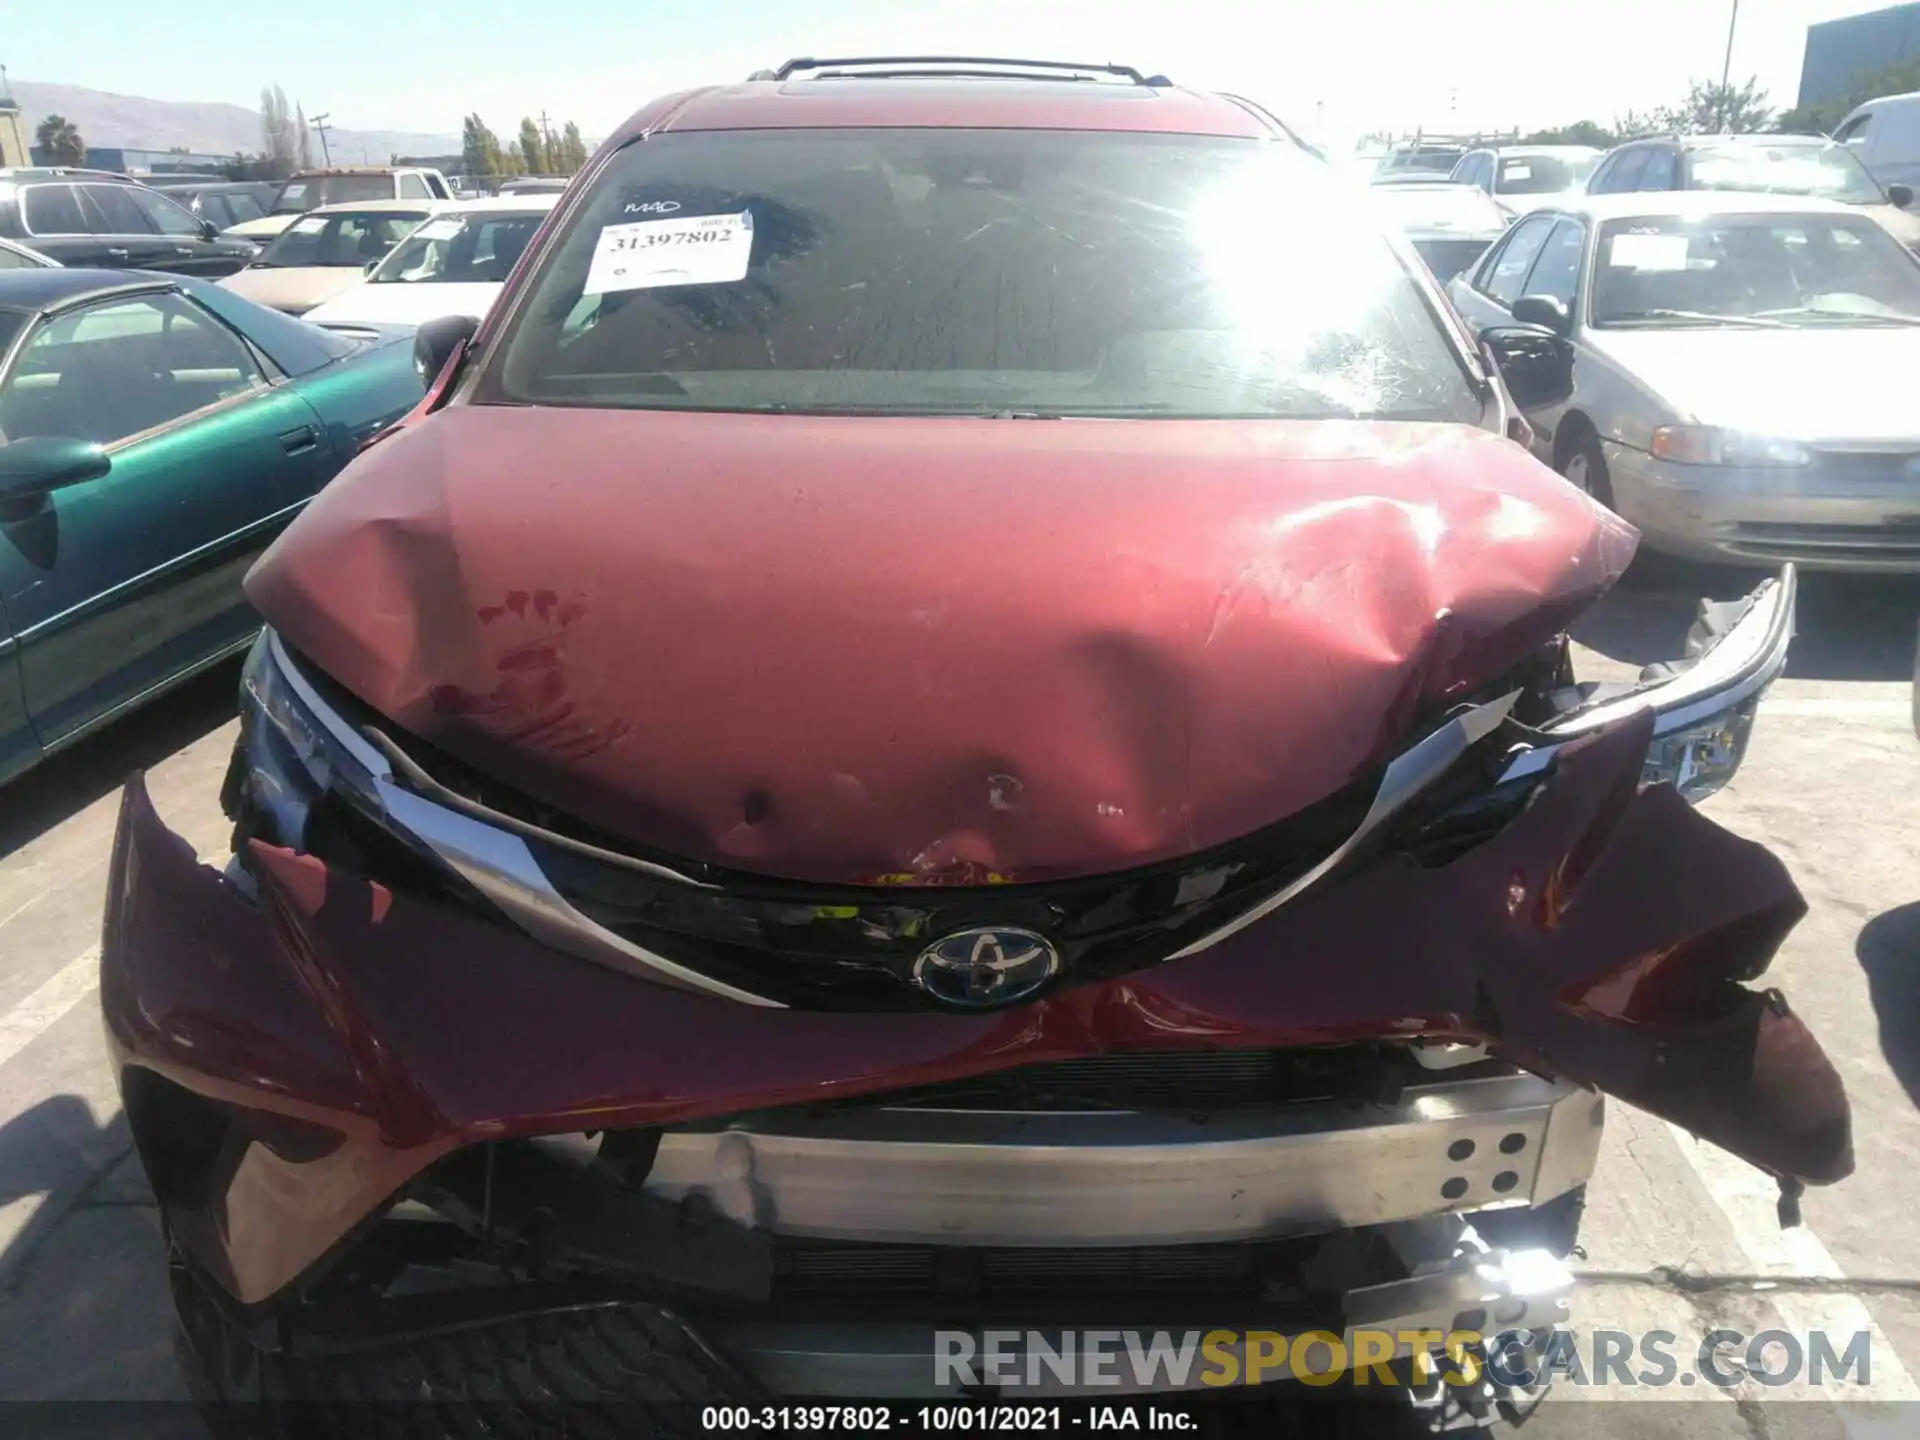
x,y
14,147
1839,52
126,161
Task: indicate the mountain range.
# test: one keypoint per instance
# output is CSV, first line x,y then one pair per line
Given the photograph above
x,y
136,122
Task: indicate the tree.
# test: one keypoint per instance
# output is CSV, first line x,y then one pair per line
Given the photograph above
x,y
306,136
533,149
1581,132
279,140
1633,124
480,150
1715,109
60,137
573,150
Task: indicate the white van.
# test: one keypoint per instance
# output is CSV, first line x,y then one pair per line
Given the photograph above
x,y
1885,134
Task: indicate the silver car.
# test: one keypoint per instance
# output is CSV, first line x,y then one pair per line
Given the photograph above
x,y
1743,370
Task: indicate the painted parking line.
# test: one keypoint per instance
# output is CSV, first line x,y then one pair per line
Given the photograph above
x,y
1828,707
1749,1198
42,1010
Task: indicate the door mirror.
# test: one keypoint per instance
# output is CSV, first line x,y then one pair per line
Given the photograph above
x,y
1901,195
438,341
35,465
367,269
1546,311
1535,364
209,230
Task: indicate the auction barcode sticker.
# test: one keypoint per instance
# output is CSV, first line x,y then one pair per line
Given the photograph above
x,y
696,250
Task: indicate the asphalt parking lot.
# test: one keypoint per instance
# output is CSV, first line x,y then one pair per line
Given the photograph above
x,y
1679,1237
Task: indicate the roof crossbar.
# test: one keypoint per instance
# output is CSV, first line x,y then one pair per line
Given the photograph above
x,y
994,65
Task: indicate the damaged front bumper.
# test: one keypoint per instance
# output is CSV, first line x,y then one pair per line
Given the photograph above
x,y
339,1080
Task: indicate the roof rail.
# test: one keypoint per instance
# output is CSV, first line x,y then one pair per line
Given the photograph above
x,y
1260,112
993,65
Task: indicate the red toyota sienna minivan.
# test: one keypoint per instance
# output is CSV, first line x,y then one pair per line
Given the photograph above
x,y
956,716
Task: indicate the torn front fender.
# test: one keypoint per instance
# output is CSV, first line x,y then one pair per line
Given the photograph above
x,y
340,1039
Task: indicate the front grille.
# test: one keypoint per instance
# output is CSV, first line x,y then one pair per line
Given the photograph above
x,y
853,947
1779,540
845,947
1865,465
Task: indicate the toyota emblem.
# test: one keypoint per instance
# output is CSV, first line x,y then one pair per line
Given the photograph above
x,y
983,968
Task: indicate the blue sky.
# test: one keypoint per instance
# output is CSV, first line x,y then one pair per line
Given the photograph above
x,y
1355,63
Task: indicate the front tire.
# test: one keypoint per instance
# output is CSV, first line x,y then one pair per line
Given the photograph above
x,y
1585,467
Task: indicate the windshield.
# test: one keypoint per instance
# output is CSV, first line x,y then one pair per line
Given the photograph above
x,y
977,272
1752,270
346,239
1832,172
460,249
296,197
1426,161
1544,174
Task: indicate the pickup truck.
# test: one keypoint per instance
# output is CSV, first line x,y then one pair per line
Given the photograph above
x,y
306,190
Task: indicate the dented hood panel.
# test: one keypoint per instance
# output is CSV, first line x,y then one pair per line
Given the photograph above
x,y
844,648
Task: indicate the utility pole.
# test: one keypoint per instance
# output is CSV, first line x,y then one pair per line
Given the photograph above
x,y
546,135
319,122
1726,70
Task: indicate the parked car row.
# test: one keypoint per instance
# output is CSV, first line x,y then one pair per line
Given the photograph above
x,y
1523,177
156,433
90,218
393,261
182,224
1736,369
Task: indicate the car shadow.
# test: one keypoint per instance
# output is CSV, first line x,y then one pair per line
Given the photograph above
x,y
1846,627
1889,952
71,780
85,1338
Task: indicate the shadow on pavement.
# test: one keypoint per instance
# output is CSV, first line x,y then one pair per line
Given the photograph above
x,y
85,1336
71,780
1889,951
1848,627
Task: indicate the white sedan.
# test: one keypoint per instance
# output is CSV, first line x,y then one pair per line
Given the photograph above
x,y
455,264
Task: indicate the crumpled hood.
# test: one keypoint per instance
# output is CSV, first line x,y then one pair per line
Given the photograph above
x,y
844,648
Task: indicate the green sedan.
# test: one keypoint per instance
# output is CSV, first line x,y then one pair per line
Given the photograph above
x,y
156,433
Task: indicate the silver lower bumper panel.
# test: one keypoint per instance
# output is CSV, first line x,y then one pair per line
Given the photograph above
x,y
1483,1292
993,1178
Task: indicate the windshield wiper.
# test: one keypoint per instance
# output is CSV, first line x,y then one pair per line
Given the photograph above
x,y
1698,317
1846,317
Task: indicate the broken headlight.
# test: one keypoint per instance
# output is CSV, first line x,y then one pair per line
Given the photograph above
x,y
1700,759
1703,708
286,759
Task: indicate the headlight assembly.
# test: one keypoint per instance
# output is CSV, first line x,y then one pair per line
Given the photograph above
x,y
1709,445
287,757
1704,713
1700,759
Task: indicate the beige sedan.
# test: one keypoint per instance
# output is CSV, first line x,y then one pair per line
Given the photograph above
x,y
328,250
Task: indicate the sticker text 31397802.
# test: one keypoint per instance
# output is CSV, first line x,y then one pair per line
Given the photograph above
x,y
691,250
